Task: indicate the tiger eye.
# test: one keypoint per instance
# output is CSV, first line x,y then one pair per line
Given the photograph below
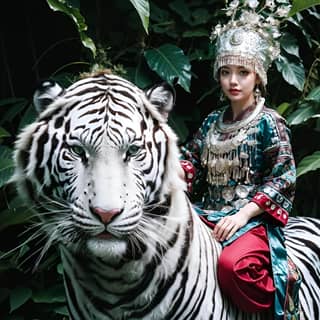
x,y
133,149
78,150
81,153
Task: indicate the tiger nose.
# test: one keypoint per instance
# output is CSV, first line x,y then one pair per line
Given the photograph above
x,y
105,215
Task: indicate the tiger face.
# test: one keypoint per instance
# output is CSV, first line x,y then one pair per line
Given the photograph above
x,y
96,160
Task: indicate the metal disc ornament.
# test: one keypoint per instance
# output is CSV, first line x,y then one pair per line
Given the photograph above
x,y
242,191
227,193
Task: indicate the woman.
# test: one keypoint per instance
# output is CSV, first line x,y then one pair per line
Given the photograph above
x,y
245,172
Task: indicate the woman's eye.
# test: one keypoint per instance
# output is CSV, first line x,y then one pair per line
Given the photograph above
x,y
224,72
244,73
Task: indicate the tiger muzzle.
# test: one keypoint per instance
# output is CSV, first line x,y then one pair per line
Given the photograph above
x,y
105,216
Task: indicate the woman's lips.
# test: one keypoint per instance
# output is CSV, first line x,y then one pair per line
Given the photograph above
x,y
234,92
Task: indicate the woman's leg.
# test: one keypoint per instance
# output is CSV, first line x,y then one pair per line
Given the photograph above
x,y
244,271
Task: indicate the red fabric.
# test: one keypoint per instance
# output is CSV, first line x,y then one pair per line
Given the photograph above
x,y
244,271
189,173
273,209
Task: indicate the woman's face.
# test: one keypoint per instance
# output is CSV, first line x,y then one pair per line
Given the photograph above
x,y
237,83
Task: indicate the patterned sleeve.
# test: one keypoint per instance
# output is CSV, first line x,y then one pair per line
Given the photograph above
x,y
276,194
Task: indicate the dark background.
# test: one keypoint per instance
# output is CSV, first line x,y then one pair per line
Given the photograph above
x,y
35,43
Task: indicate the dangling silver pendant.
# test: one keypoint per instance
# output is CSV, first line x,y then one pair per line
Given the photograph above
x,y
227,193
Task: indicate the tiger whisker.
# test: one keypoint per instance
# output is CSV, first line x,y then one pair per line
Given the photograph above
x,y
48,244
33,237
46,201
35,224
56,225
134,243
34,253
155,205
156,224
168,218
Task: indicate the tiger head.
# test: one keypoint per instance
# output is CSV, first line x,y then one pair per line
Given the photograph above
x,y
97,161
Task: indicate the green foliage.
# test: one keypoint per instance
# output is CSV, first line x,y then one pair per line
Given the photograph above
x,y
292,72
303,113
71,8
18,296
306,108
6,163
170,63
142,7
309,163
299,5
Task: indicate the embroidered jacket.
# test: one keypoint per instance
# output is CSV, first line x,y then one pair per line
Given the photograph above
x,y
261,150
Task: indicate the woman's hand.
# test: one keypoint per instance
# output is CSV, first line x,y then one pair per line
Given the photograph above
x,y
229,225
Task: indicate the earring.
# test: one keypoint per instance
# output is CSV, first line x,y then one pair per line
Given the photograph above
x,y
222,96
257,94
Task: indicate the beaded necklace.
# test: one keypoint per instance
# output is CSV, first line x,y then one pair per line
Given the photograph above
x,y
229,148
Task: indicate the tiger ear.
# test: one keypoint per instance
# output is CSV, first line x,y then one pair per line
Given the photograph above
x,y
46,93
163,96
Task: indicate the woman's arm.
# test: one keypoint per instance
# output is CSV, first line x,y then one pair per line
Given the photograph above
x,y
229,225
275,195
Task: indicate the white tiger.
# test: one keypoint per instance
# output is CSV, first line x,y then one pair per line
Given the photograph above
x,y
102,166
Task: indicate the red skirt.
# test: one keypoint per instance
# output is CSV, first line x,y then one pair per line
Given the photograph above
x,y
245,272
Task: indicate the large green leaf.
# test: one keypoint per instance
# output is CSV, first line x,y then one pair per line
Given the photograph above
x,y
292,72
139,76
4,133
6,165
309,163
15,216
50,295
71,10
289,44
143,9
63,310
283,107
301,115
18,296
299,5
314,95
169,62
28,117
12,107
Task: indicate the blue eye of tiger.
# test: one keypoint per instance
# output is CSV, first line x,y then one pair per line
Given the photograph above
x,y
79,151
133,150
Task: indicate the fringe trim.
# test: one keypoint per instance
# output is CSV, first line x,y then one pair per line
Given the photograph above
x,y
238,59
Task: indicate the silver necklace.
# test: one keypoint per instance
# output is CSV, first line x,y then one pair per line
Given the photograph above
x,y
230,157
229,127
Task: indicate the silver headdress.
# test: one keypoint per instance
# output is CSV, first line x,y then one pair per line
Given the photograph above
x,y
250,37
